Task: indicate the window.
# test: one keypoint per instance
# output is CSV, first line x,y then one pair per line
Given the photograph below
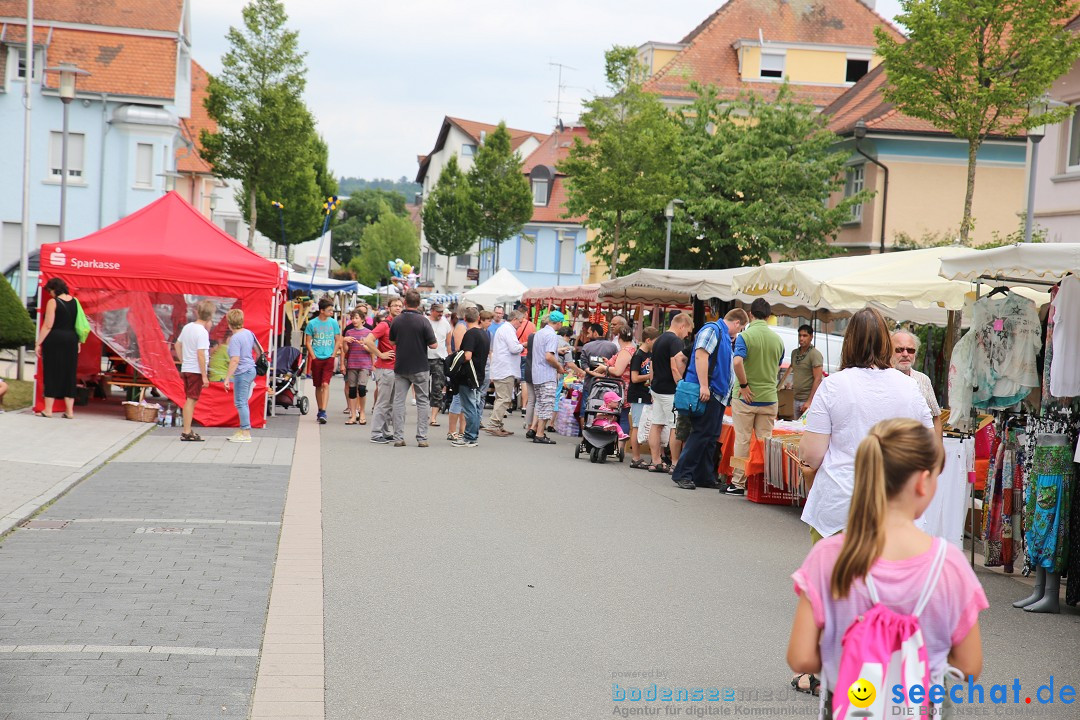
x,y
527,251
772,65
144,165
76,150
20,63
540,192
232,228
856,181
431,259
464,261
567,250
856,68
1074,141
468,150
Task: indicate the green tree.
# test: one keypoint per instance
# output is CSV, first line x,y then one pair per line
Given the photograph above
x,y
391,237
500,190
362,209
973,67
629,165
16,329
302,190
265,135
451,217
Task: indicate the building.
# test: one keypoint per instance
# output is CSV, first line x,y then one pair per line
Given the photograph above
x,y
548,251
196,182
124,127
460,138
820,47
1057,177
927,174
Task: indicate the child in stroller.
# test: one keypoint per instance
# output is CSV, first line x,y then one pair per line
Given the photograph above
x,y
607,415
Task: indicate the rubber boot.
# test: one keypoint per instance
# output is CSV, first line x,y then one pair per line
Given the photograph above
x,y
1040,587
1050,600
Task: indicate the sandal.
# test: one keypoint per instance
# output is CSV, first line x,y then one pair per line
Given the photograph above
x,y
812,686
191,437
434,424
351,421
640,464
543,440
661,467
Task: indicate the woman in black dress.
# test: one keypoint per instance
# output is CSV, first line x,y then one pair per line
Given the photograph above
x,y
58,348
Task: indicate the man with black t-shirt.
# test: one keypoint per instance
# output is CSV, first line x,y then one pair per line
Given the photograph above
x,y
475,344
412,336
667,370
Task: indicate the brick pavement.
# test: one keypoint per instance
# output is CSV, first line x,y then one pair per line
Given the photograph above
x,y
153,598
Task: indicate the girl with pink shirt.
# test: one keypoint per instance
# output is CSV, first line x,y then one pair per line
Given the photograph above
x,y
896,471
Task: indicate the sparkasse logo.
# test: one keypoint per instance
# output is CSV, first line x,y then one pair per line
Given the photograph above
x,y
57,258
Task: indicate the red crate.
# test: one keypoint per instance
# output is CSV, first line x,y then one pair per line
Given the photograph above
x,y
757,491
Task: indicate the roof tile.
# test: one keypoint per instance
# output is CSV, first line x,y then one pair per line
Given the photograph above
x,y
165,15
552,151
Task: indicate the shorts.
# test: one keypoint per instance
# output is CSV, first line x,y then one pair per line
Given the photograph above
x,y
357,377
455,404
683,426
192,385
545,400
663,409
322,371
637,409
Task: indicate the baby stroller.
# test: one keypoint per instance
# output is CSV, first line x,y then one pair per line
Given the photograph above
x,y
289,368
599,443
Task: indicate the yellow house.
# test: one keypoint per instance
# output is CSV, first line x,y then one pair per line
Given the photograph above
x,y
927,174
820,48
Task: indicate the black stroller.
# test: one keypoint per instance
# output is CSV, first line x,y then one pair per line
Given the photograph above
x,y
289,368
599,443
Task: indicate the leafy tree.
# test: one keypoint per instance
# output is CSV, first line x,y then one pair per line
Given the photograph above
x,y
451,217
403,185
630,163
500,190
973,67
265,135
391,237
16,329
346,239
367,204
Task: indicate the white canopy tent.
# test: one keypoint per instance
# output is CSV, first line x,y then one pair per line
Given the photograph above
x,y
1030,262
502,287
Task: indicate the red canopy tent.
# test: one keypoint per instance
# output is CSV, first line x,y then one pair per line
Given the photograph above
x,y
139,279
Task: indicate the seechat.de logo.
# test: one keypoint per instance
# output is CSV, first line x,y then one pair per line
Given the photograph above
x,y
57,258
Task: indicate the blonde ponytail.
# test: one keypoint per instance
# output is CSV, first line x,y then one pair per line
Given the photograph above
x,y
886,458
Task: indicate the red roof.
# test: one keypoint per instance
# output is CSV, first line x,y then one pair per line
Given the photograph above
x,y
126,65
710,57
473,129
164,15
552,151
189,160
865,101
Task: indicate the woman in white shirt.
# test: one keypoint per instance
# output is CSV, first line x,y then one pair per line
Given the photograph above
x,y
847,404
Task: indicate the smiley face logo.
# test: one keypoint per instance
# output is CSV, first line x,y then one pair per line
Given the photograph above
x,y
861,693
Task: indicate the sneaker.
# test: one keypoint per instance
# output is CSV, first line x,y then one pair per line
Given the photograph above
x,y
462,442
321,417
686,484
238,438
380,441
451,436
530,434
399,443
422,443
734,490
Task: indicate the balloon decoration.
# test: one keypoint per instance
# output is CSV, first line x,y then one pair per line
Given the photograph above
x,y
402,275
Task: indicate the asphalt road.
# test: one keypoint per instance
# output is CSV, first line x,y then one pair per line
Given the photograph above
x,y
513,581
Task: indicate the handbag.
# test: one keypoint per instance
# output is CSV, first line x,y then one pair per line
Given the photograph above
x,y
688,399
262,365
82,325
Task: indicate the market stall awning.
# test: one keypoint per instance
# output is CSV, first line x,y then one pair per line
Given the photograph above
x,y
1024,261
501,287
563,293
300,282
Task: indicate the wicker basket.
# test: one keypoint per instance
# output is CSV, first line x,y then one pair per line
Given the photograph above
x,y
141,411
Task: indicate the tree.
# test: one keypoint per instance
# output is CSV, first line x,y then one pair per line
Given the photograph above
x,y
368,203
500,190
630,163
265,134
391,237
16,329
451,217
973,68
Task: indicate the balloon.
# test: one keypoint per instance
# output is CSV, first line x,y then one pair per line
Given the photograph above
x,y
407,269
390,265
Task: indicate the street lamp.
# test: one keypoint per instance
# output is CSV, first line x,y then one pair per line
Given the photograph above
x,y
669,212
213,205
170,177
69,73
860,133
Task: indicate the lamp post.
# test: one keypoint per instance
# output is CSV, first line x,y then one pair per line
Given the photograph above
x,y
860,133
281,216
169,178
69,73
669,213
1035,135
213,205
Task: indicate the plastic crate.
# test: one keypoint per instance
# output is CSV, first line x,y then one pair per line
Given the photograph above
x,y
757,491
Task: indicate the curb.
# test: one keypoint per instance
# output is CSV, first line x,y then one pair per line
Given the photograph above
x,y
31,507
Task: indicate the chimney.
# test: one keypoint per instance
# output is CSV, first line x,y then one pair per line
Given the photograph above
x,y
869,3
483,136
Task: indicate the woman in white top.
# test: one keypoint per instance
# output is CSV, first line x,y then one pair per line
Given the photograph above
x,y
847,404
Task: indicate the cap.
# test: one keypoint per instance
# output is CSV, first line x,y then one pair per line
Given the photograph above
x,y
555,316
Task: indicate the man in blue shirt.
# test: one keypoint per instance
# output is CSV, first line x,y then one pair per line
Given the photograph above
x,y
712,360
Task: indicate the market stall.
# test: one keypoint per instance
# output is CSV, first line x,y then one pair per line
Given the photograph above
x,y
138,281
495,290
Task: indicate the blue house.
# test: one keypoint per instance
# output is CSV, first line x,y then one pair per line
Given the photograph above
x,y
549,250
125,131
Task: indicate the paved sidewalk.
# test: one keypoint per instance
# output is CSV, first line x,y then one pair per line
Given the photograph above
x,y
43,457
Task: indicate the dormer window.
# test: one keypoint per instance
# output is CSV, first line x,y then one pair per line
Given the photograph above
x,y
540,178
772,65
856,68
540,191
18,55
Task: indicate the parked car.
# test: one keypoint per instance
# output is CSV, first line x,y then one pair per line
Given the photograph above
x,y
14,278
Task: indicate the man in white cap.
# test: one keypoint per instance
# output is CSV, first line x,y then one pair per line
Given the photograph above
x,y
546,368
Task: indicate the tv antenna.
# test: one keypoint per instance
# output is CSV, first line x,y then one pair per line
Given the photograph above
x,y
558,97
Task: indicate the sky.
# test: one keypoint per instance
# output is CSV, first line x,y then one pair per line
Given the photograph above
x,y
382,75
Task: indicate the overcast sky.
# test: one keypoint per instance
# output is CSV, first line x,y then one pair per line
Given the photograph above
x,y
381,75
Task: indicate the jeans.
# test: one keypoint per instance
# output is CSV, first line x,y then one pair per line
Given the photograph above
x,y
242,383
382,413
696,459
471,399
419,383
504,398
